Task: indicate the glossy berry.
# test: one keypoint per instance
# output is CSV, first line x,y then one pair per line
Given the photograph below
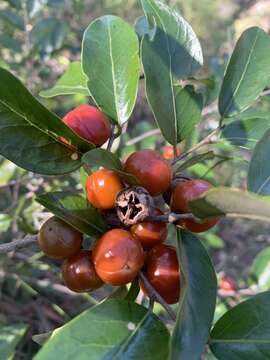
x,y
168,152
118,257
152,171
163,272
89,123
184,192
58,240
150,233
227,284
79,273
102,188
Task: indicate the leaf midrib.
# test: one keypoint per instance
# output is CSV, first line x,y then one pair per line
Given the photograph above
x,y
170,74
243,74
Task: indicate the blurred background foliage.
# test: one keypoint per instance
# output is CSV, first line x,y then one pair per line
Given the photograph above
x,y
38,40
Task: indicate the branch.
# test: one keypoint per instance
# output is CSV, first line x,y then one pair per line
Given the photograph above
x,y
169,217
154,295
207,140
111,140
143,136
16,244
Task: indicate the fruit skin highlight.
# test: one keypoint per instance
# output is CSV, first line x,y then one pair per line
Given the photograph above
x,y
102,188
118,257
150,233
79,273
163,272
89,123
153,172
184,192
59,240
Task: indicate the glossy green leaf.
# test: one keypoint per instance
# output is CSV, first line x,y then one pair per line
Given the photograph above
x,y
232,203
110,59
142,27
197,305
73,81
48,34
75,210
246,132
105,158
259,167
214,241
10,336
189,106
247,73
35,145
260,269
169,53
209,155
114,330
244,331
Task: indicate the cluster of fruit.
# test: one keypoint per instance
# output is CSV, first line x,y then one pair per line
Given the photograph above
x,y
122,252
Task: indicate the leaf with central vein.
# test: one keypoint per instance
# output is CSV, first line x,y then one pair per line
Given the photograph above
x,y
110,60
244,331
73,81
247,73
114,330
232,203
75,210
259,167
197,307
171,54
32,111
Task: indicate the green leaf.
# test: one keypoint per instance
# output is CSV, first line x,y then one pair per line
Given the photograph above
x,y
247,73
114,330
214,241
75,210
30,133
232,203
142,27
198,300
48,34
260,269
73,81
246,132
244,331
209,155
5,221
10,336
259,167
105,158
110,59
9,42
170,52
12,18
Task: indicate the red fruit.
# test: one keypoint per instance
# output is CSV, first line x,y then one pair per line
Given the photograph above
x,y
79,273
102,188
152,171
184,192
58,240
168,152
89,123
150,233
163,272
118,257
227,284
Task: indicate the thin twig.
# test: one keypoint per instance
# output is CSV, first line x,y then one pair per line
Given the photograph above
x,y
143,136
17,244
169,217
154,295
111,140
205,141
